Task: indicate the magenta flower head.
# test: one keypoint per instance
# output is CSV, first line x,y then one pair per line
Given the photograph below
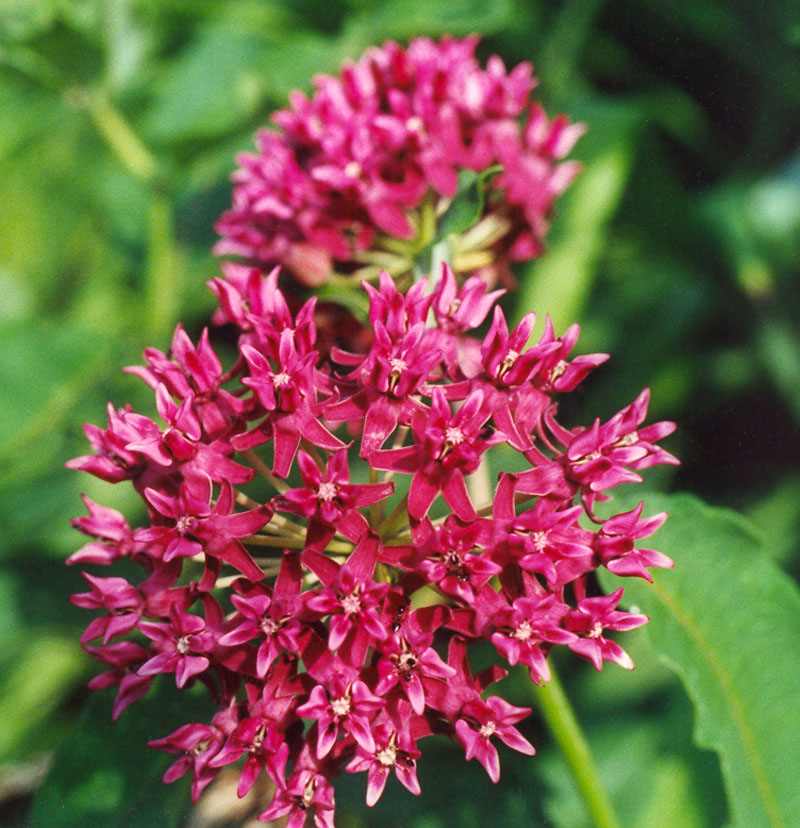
x,y
300,499
355,178
294,513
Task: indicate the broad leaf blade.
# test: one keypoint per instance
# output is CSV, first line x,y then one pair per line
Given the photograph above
x,y
726,620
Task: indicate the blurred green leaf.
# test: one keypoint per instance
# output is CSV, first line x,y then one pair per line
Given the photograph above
x,y
104,775
295,58
777,517
467,205
639,757
45,369
726,619
23,19
409,18
210,88
559,283
128,43
43,673
779,347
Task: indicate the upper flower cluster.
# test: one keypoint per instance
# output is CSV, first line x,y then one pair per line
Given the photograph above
x,y
357,175
316,552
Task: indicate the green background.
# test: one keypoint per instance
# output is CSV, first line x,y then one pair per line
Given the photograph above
x,y
676,249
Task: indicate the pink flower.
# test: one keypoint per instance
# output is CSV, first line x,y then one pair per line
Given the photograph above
x,y
480,721
196,744
273,616
349,703
524,627
358,160
124,658
295,596
329,501
181,646
408,657
394,750
114,535
590,620
446,448
350,597
305,792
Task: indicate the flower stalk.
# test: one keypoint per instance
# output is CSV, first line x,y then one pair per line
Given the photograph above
x,y
555,707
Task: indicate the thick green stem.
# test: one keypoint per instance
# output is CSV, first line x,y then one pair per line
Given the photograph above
x,y
557,711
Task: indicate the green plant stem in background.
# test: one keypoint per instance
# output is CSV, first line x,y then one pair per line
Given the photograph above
x,y
557,711
120,136
164,272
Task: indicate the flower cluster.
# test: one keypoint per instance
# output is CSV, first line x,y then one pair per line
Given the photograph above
x,y
318,553
356,177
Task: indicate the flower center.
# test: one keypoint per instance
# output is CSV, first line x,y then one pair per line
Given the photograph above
x,y
259,736
508,361
415,124
387,756
588,458
269,627
454,435
182,644
281,380
596,631
184,524
539,540
352,169
327,491
200,748
340,706
524,631
488,730
308,792
557,370
351,603
407,662
397,367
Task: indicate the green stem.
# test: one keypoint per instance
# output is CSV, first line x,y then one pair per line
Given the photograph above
x,y
397,518
557,711
120,136
260,466
162,292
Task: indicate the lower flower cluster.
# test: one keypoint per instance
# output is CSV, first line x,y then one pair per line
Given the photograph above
x,y
319,553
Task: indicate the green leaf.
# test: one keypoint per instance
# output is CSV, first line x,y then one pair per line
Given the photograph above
x,y
726,620
105,775
467,205
24,19
42,676
559,283
410,18
352,298
209,89
44,370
